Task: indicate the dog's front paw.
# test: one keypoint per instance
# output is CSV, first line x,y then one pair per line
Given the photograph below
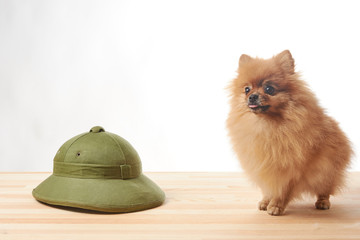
x,y
275,210
263,204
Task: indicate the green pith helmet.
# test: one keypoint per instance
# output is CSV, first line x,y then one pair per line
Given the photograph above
x,y
99,171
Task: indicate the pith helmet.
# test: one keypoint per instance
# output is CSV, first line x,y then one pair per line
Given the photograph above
x,y
99,171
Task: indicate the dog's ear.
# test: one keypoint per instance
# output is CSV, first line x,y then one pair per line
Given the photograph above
x,y
244,59
286,61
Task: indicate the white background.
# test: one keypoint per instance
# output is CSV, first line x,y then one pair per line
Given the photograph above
x,y
155,72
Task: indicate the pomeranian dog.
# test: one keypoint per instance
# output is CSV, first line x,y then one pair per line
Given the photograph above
x,y
285,142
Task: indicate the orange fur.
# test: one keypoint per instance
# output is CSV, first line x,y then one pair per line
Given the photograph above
x,y
287,145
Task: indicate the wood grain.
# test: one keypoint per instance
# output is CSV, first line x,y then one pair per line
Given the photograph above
x,y
198,206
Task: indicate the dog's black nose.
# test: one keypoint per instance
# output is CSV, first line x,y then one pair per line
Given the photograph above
x,y
253,98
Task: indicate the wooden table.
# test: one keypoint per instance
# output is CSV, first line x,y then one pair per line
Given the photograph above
x,y
198,206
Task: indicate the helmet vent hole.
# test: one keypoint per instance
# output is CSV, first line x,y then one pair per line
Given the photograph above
x,y
97,129
78,154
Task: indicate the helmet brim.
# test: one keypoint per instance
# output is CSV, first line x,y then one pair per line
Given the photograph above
x,y
105,195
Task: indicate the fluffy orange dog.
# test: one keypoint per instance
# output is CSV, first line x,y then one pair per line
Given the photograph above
x,y
284,140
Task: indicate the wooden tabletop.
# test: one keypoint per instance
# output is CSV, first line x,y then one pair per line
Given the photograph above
x,y
198,206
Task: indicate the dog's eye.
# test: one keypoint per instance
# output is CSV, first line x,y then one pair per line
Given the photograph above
x,y
269,90
247,90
